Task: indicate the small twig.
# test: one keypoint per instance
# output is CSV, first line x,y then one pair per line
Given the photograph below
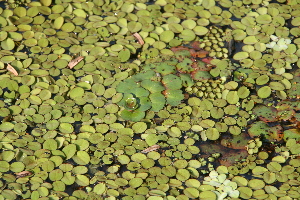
x,y
12,70
139,38
74,62
152,148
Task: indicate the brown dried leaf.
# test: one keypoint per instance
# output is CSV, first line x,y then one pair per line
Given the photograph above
x,y
75,61
152,148
23,174
139,38
179,48
12,70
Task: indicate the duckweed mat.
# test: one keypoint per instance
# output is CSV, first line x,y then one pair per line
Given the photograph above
x,y
156,100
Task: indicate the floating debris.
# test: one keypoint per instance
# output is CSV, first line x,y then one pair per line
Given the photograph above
x,y
139,38
23,174
12,70
75,61
152,148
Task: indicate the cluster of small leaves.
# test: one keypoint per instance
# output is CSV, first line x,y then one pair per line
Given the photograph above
x,y
155,86
218,42
161,83
275,169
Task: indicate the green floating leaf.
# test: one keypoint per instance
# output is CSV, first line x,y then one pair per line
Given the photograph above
x,y
100,188
212,133
68,179
81,158
139,127
4,166
200,30
43,191
276,86
123,159
8,44
174,97
124,55
201,75
263,79
17,167
264,92
172,82
165,69
52,124
135,182
182,175
68,27
7,155
167,36
126,86
48,166
140,92
243,92
131,103
152,86
241,55
76,92
191,192
35,100
30,42
258,128
187,35
82,180
292,134
158,101
6,126
265,113
56,175
296,21
145,104
50,144
134,116
186,79
66,128
59,186
69,150
232,97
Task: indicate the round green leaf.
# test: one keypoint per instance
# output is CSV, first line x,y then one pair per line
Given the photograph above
x,y
81,158
264,92
212,133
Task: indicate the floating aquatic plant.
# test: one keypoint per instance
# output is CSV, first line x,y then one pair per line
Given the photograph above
x,y
224,187
278,44
158,82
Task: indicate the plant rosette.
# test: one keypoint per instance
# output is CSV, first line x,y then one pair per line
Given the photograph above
x,y
224,187
278,44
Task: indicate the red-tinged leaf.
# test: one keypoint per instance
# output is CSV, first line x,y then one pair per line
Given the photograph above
x,y
201,66
265,113
200,75
275,133
196,45
198,54
207,60
179,48
292,134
